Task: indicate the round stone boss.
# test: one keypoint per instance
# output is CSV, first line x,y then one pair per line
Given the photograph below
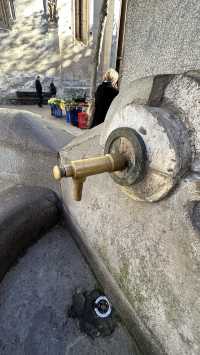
x,y
167,143
128,142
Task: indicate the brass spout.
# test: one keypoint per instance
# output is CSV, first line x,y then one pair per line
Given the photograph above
x,y
78,188
80,169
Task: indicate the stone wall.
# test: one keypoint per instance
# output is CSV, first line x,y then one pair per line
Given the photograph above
x,y
161,37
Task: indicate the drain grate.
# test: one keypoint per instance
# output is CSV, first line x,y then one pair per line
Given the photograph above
x,y
95,314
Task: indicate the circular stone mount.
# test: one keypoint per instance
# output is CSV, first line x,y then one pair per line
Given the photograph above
x,y
128,142
157,145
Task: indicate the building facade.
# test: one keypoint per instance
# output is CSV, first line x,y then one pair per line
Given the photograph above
x,y
56,39
78,26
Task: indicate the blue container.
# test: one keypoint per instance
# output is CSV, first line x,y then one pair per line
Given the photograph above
x,y
74,117
52,109
55,111
58,112
68,117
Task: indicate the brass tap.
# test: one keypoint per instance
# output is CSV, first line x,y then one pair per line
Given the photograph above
x,y
80,169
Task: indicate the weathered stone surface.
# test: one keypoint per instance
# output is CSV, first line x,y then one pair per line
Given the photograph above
x,y
28,148
160,83
35,296
167,160
25,215
151,250
182,94
161,38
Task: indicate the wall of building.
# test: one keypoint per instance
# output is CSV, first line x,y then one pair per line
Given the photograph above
x,y
110,46
76,56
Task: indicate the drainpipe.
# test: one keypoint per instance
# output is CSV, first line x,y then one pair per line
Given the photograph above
x,y
45,8
5,14
121,35
12,8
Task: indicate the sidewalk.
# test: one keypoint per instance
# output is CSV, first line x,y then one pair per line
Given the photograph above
x,y
45,114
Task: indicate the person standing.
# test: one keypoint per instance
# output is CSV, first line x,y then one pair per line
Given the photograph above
x,y
38,87
53,89
104,96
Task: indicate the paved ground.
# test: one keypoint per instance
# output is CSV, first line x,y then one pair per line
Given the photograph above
x,y
24,48
35,296
59,123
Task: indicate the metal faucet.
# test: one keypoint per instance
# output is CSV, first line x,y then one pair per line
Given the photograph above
x,y
124,158
78,170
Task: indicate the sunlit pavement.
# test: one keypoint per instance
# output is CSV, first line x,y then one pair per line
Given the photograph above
x,y
26,44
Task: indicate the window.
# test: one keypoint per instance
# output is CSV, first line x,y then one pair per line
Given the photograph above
x,y
82,20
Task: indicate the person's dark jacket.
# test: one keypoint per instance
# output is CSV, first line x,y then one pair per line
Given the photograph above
x,y
38,87
104,96
53,89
